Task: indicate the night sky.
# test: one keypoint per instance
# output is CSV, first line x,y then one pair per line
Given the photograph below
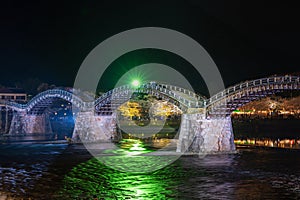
x,y
49,40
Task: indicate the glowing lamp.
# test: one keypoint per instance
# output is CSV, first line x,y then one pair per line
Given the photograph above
x,y
135,83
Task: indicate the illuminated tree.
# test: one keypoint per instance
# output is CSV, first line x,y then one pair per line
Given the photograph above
x,y
130,109
144,109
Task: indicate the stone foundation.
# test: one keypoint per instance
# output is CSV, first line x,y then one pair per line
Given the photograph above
x,y
23,123
91,128
201,135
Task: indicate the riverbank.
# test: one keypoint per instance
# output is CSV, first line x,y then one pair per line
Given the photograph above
x,y
249,146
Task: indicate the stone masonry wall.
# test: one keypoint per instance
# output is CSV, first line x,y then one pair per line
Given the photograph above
x,y
91,128
23,123
201,135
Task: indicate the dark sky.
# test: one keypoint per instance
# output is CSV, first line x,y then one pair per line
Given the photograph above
x,y
50,39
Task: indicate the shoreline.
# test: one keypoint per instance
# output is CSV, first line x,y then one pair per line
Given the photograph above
x,y
158,152
241,146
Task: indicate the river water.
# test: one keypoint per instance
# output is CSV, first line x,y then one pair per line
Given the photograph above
x,y
61,171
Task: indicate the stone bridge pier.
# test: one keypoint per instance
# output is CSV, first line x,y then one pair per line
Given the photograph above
x,y
23,123
92,128
201,135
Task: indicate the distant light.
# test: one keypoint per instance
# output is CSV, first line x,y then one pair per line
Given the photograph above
x,y
135,83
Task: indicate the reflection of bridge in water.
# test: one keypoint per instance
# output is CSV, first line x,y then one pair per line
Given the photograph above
x,y
205,125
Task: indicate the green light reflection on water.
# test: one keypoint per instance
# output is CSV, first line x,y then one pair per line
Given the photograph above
x,y
94,179
134,157
137,164
123,173
130,147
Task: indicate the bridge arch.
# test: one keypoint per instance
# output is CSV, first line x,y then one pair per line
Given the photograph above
x,y
40,102
224,102
183,98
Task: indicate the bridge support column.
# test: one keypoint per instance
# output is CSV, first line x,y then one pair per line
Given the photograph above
x,y
91,128
23,123
17,125
6,120
201,135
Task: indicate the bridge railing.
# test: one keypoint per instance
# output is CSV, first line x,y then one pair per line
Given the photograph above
x,y
168,90
274,80
46,94
190,100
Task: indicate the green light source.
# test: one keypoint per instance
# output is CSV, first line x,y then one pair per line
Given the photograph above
x,y
135,83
